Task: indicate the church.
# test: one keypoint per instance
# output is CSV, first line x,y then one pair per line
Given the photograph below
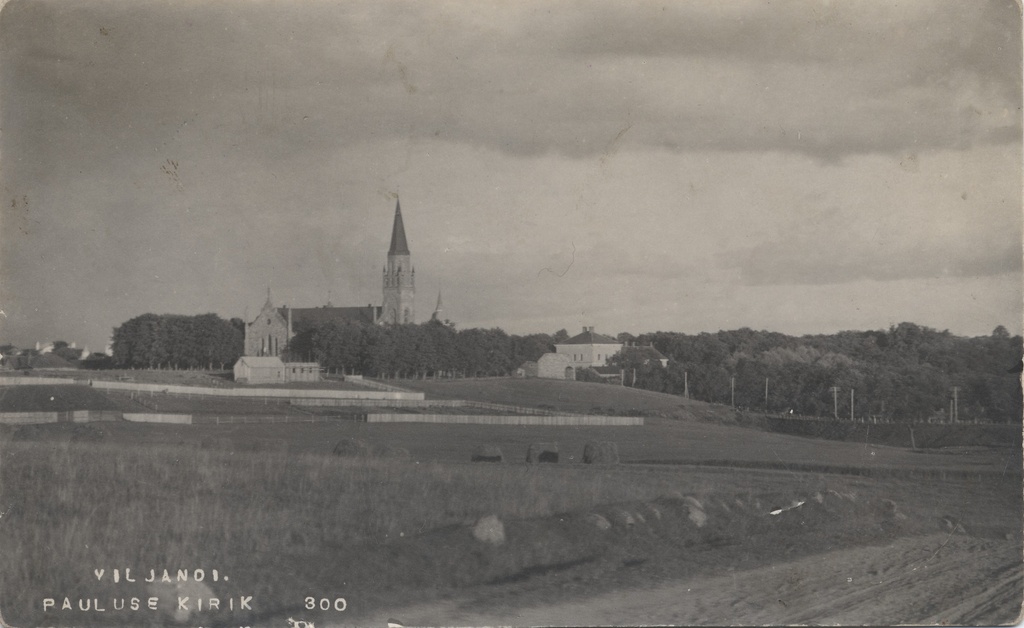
x,y
269,333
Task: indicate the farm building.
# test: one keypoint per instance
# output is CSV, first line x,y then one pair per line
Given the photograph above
x,y
548,366
271,370
589,349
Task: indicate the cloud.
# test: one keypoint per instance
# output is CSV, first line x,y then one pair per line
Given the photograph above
x,y
797,262
525,78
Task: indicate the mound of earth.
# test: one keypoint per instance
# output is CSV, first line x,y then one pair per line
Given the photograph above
x,y
626,545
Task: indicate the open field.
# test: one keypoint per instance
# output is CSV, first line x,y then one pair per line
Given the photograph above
x,y
388,533
609,399
695,503
51,398
582,397
660,441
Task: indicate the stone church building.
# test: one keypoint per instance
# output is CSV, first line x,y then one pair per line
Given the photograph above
x,y
268,334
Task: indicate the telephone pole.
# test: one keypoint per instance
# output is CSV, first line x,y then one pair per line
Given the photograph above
x,y
956,404
766,394
835,401
732,390
851,404
686,384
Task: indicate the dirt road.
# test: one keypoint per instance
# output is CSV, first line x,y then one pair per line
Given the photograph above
x,y
936,579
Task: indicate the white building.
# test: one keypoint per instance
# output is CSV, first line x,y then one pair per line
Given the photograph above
x,y
589,349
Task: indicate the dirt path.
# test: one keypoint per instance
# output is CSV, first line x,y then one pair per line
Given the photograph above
x,y
935,579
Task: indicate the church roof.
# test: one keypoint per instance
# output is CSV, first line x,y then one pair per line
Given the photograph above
x,y
399,246
588,337
316,315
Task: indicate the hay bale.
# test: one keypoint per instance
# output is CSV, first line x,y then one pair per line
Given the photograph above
x,y
606,452
599,521
489,529
542,452
488,453
351,448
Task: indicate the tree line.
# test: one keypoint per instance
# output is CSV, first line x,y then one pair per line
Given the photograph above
x,y
907,372
431,349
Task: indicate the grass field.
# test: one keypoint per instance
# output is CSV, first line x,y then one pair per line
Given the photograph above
x,y
270,504
285,526
581,397
47,398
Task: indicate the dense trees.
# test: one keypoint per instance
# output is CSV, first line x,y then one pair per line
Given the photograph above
x,y
432,349
908,372
177,341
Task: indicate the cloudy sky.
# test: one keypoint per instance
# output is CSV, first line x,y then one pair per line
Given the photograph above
x,y
801,166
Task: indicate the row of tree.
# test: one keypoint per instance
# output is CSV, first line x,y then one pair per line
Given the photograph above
x,y
205,341
432,349
906,372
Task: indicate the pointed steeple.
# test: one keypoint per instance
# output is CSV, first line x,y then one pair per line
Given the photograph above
x,y
399,246
269,304
437,311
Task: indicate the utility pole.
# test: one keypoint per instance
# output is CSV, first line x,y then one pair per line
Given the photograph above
x,y
956,404
686,384
851,404
835,401
766,394
732,390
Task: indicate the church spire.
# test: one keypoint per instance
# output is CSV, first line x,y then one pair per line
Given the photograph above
x,y
399,246
438,310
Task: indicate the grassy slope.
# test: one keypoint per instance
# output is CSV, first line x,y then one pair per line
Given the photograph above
x,y
607,399
45,398
569,396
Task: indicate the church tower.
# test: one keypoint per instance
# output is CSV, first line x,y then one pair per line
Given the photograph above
x,y
399,277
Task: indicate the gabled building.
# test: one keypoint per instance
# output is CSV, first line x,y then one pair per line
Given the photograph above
x,y
588,349
548,366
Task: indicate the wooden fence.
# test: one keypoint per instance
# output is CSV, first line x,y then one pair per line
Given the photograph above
x,y
74,416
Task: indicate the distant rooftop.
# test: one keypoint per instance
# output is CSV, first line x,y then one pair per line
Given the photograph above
x,y
589,337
